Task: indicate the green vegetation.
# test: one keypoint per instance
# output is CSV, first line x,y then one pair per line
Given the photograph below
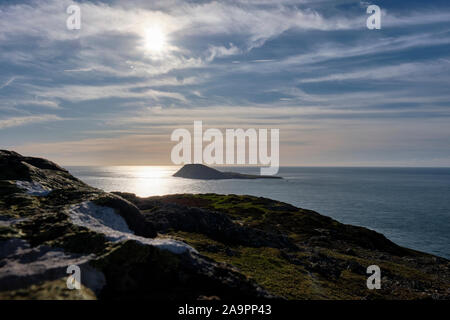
x,y
334,267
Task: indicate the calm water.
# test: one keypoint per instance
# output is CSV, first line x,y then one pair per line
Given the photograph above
x,y
411,206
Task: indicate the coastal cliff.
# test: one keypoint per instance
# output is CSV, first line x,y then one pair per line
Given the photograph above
x,y
187,246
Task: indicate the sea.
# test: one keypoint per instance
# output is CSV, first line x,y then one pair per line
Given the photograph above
x,y
410,206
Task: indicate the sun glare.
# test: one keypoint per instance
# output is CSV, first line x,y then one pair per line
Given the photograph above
x,y
155,40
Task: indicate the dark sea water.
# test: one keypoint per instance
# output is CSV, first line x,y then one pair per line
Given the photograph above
x,y
410,206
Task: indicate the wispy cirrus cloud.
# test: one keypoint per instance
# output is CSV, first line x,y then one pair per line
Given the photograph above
x,y
7,82
308,67
20,121
423,71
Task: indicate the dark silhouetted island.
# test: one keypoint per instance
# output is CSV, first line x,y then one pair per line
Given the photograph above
x,y
202,172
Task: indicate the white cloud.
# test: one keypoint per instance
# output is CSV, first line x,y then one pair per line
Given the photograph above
x,y
222,51
334,50
301,141
46,20
19,121
7,83
77,93
403,72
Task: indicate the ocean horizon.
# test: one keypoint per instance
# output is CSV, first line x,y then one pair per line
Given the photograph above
x,y
409,205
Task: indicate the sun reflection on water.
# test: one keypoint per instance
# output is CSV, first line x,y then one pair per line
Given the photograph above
x,y
145,181
148,180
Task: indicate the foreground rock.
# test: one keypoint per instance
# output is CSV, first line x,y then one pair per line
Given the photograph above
x,y
295,253
188,246
202,172
50,220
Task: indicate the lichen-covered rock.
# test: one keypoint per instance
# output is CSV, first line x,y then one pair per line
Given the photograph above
x,y
50,220
216,225
295,253
23,265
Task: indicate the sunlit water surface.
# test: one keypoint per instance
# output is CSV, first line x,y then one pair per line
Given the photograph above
x,y
411,206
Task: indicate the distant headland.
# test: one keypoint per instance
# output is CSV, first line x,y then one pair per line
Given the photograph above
x,y
202,172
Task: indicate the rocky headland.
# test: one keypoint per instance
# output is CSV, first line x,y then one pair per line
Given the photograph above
x,y
188,247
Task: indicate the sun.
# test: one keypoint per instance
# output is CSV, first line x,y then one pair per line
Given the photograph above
x,y
155,40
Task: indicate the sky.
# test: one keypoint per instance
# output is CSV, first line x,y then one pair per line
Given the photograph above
x,y
112,92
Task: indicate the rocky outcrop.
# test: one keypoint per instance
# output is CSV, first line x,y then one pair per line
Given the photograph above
x,y
281,245
50,220
202,172
216,225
